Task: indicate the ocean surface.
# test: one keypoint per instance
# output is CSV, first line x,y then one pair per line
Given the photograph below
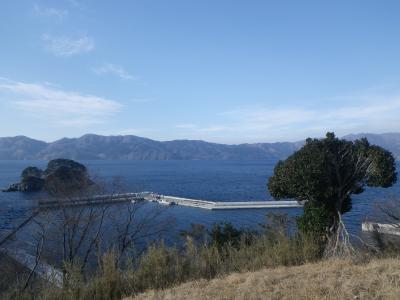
x,y
206,180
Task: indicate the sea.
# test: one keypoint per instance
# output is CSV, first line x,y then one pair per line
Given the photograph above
x,y
205,180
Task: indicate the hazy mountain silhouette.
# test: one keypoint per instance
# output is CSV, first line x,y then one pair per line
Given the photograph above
x,y
130,147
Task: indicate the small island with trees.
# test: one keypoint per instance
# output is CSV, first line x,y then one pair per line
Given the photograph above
x,y
59,172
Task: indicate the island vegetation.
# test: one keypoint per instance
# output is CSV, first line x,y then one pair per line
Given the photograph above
x,y
66,173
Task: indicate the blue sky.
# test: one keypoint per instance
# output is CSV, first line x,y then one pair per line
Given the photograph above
x,y
222,71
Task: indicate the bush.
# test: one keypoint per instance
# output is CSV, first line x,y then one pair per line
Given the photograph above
x,y
222,234
230,250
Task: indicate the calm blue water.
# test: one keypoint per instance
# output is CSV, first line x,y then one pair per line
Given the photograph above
x,y
208,180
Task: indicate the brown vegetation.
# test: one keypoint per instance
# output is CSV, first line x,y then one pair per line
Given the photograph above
x,y
273,266
331,279
270,265
161,267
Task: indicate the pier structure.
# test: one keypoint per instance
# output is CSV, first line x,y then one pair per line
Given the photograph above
x,y
93,200
41,269
220,205
167,200
392,229
141,197
54,275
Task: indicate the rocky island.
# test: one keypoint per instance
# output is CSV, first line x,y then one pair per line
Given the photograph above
x,y
67,173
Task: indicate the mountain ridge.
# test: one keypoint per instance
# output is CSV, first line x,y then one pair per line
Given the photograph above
x,y
130,147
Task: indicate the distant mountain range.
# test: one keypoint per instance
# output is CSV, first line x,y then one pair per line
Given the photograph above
x,y
130,147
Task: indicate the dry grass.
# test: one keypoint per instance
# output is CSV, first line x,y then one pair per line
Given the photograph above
x,y
162,267
10,272
332,279
274,266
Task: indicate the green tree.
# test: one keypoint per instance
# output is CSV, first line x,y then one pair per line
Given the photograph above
x,y
224,234
327,172
197,232
315,221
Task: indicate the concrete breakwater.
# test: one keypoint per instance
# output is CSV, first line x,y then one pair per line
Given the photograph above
x,y
169,200
392,229
92,200
220,205
12,247
141,197
31,262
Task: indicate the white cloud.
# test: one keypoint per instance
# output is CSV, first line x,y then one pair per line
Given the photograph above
x,y
56,105
261,123
51,12
111,69
264,118
65,46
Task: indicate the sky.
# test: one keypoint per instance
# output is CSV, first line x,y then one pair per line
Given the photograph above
x,y
225,71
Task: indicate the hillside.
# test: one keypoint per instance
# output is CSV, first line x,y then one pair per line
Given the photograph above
x,y
335,279
20,147
137,148
389,141
130,147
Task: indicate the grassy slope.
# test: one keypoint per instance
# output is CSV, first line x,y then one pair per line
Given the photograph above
x,y
10,272
333,279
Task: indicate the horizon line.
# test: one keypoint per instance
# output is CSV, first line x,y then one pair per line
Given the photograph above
x,y
194,140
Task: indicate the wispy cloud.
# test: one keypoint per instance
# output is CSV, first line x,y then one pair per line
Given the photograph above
x,y
115,70
51,12
382,111
76,4
57,105
186,126
216,128
66,46
264,123
136,131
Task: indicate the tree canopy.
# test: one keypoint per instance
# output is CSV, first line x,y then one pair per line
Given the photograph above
x,y
328,171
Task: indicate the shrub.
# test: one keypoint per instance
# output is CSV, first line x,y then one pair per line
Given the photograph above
x,y
231,250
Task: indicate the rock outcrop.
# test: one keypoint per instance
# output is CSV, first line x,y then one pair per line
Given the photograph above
x,y
61,175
